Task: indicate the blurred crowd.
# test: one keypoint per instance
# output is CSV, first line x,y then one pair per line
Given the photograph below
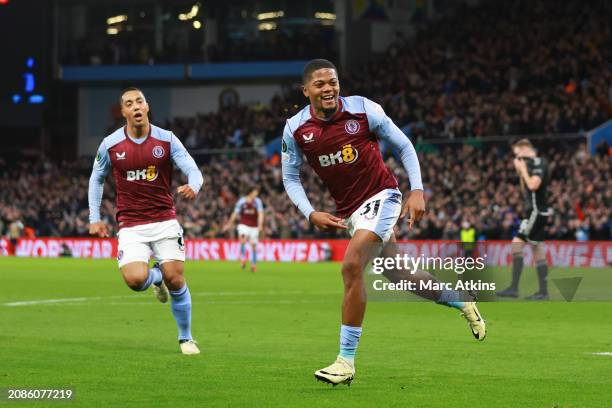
x,y
464,183
479,186
510,68
134,47
500,68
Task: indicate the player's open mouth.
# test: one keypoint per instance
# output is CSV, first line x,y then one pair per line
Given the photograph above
x,y
328,100
138,115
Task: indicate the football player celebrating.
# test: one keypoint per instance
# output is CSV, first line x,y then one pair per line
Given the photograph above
x,y
141,157
339,138
251,212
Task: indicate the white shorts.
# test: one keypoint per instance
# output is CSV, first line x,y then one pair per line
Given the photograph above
x,y
162,239
378,214
252,233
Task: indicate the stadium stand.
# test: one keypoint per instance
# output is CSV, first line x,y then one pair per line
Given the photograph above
x,y
527,74
463,182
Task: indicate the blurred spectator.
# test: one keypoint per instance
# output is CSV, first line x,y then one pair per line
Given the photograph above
x,y
509,68
463,183
132,47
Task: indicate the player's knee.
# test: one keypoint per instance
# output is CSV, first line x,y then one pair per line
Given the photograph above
x,y
135,282
175,281
517,245
351,270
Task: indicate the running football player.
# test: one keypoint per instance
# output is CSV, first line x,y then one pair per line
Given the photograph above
x,y
339,138
251,212
141,157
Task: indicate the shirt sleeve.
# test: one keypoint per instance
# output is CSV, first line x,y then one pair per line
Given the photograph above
x,y
386,130
238,205
101,166
183,160
538,168
259,205
291,162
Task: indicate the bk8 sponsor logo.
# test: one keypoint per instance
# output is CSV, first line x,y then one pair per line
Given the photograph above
x,y
148,174
348,155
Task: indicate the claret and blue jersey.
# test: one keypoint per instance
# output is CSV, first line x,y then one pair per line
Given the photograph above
x,y
345,154
142,171
248,210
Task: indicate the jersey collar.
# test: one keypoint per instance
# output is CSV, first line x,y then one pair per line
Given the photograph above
x,y
132,140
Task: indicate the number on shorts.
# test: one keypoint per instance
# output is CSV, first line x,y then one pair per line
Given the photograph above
x,y
369,208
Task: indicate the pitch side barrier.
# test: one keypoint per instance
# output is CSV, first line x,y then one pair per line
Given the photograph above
x,y
590,254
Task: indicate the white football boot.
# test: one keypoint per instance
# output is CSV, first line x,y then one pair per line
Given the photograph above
x,y
189,347
341,372
161,292
475,321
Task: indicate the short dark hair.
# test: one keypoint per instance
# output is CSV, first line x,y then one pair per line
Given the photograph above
x,y
314,65
128,89
248,188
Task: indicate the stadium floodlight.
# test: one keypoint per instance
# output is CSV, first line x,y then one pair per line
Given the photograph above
x,y
116,19
267,26
325,16
112,31
192,13
270,15
197,24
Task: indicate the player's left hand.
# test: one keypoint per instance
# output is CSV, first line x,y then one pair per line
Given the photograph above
x,y
415,206
519,165
186,191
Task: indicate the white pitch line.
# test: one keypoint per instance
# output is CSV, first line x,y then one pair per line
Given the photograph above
x,y
210,302
603,353
93,298
63,300
46,301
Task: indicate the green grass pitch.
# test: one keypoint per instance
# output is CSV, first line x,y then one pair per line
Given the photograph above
x,y
263,335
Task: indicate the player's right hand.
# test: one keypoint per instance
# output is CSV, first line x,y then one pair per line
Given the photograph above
x,y
99,229
326,221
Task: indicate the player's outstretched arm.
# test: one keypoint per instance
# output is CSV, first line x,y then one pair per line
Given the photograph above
x,y
96,189
260,216
388,131
291,163
183,160
229,222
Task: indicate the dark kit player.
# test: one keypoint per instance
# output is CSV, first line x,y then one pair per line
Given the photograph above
x,y
533,175
141,157
339,138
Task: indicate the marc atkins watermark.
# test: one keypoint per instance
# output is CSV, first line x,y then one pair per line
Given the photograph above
x,y
412,264
404,273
